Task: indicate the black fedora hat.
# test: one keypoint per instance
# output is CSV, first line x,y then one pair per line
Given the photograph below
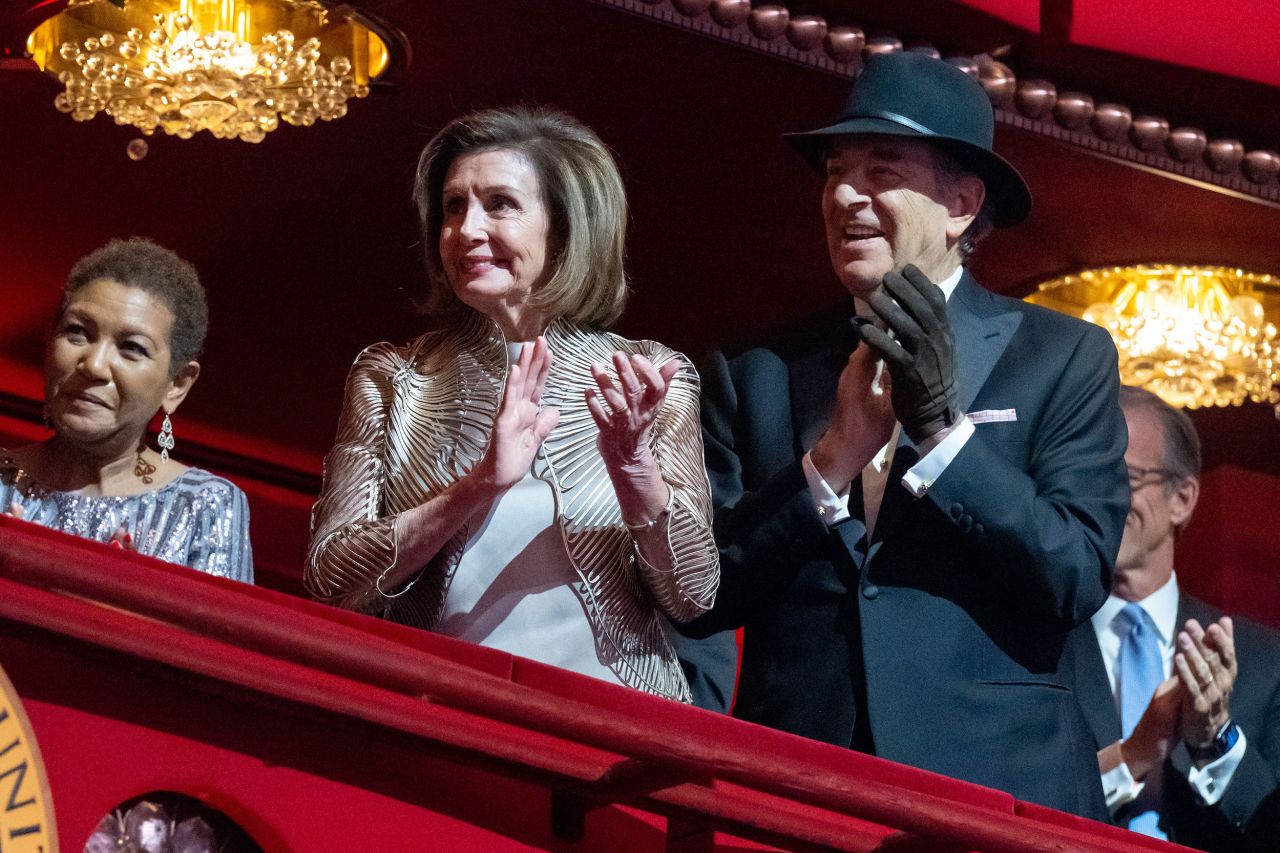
x,y
914,95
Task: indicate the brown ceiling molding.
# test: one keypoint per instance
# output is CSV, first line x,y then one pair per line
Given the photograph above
x,y
768,28
1072,118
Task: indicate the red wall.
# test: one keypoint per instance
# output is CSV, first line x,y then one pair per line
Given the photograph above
x,y
1230,553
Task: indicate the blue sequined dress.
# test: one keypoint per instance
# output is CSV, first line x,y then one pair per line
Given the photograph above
x,y
198,519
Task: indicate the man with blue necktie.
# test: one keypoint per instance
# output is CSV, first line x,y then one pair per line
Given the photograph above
x,y
1184,703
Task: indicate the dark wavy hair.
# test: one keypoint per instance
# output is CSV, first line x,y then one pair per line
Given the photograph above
x,y
148,266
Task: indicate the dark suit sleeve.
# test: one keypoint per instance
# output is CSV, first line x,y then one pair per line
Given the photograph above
x,y
1248,815
1252,800
1049,533
759,527
710,666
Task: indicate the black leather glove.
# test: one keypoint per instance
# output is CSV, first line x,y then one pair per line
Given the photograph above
x,y
922,359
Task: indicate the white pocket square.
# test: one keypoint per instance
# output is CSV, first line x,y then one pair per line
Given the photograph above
x,y
990,416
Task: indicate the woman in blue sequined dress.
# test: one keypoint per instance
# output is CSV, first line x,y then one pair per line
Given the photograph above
x,y
123,347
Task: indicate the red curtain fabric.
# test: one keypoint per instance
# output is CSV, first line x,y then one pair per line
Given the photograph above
x,y
1231,37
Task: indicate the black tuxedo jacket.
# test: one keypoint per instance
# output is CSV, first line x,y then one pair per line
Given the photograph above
x,y
1248,815
955,612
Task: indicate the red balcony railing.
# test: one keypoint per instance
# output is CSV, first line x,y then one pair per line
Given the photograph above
x,y
322,730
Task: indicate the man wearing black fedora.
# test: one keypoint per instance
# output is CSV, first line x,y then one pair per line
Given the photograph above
x,y
920,494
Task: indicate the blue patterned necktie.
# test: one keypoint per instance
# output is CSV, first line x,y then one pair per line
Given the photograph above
x,y
1141,672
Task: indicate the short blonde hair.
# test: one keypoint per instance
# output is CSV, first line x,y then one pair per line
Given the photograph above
x,y
581,189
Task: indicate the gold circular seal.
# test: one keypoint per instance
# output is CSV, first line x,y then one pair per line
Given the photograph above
x,y
26,808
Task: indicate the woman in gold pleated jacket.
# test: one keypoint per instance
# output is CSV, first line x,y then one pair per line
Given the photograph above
x,y
521,478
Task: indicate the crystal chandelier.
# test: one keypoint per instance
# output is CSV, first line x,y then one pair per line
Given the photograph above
x,y
232,67
1196,336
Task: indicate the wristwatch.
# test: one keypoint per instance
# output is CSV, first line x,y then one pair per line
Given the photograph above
x,y
1222,743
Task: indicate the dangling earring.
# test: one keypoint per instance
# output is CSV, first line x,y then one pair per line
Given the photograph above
x,y
44,413
165,439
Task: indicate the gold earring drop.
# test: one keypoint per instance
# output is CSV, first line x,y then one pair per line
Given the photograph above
x,y
142,469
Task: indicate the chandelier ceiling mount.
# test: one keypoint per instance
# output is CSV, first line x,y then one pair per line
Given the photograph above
x,y
234,68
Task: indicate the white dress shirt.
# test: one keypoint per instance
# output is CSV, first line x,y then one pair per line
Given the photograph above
x,y
1209,782
834,507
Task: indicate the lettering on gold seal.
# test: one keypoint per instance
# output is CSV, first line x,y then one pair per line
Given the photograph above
x,y
26,809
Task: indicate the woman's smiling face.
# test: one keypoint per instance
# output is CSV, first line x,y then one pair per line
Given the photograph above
x,y
494,235
107,366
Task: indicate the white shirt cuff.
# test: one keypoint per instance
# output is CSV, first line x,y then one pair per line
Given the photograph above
x,y
831,507
1119,786
1210,782
925,473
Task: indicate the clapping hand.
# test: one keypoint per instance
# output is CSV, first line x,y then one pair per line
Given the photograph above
x,y
1206,664
1153,737
920,356
625,412
862,422
522,424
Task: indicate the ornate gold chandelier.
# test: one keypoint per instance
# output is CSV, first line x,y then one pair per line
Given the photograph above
x,y
1197,336
234,68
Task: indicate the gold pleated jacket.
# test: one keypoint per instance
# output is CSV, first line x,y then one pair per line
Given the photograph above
x,y
418,417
